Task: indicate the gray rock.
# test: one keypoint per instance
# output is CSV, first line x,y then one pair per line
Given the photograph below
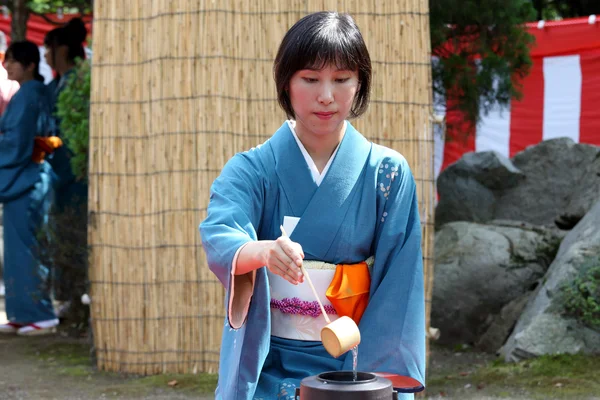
x,y
551,335
583,197
491,169
542,329
537,186
479,269
502,325
467,187
464,199
551,169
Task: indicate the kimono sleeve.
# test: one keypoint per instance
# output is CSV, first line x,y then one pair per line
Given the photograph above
x,y
18,127
233,219
393,325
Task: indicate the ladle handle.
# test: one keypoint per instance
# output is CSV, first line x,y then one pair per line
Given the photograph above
x,y
310,283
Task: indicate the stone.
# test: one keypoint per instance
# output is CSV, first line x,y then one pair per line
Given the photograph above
x,y
479,268
466,188
585,194
543,328
501,325
555,181
551,168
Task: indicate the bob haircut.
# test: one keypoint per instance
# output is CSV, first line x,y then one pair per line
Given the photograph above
x,y
321,39
26,53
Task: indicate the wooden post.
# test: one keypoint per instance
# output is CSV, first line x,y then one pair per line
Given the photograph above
x,y
20,15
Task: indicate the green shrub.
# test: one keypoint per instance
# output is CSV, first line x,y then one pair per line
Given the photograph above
x,y
63,246
73,109
581,296
65,240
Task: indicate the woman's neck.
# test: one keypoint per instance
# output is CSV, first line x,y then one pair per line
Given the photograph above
x,y
25,80
63,68
320,148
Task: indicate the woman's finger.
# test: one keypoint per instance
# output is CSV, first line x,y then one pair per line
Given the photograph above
x,y
290,266
292,249
284,271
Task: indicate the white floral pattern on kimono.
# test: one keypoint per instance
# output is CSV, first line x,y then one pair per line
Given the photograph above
x,y
304,324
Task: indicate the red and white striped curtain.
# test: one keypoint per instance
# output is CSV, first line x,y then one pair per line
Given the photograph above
x,y
561,97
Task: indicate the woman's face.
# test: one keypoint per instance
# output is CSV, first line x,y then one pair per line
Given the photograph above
x,y
48,55
54,54
322,99
14,69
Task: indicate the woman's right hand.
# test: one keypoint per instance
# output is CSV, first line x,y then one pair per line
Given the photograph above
x,y
284,258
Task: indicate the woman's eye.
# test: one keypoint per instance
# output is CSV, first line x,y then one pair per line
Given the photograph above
x,y
342,80
309,80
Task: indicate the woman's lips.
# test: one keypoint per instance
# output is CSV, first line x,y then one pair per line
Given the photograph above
x,y
324,115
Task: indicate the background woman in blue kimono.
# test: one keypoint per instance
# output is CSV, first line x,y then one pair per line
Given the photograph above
x,y
352,199
25,189
64,46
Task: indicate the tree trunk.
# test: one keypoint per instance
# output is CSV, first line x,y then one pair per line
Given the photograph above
x,y
20,15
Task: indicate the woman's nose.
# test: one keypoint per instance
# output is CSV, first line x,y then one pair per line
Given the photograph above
x,y
326,94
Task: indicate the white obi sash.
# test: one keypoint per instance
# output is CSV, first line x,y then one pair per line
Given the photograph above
x,y
295,313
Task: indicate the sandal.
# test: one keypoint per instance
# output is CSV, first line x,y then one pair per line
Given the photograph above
x,y
10,327
39,328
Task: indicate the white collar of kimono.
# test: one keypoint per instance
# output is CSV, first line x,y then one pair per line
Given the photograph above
x,y
317,177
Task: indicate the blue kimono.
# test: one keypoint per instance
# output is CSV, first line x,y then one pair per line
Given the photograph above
x,y
366,205
25,191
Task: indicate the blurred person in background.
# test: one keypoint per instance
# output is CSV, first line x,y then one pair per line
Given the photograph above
x,y
7,89
25,191
64,46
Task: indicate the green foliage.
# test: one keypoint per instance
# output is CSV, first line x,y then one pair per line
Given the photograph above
x,y
581,297
556,9
73,109
494,33
65,240
68,6
463,31
63,246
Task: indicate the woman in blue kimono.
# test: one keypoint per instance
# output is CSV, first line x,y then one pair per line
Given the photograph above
x,y
64,46
25,189
349,207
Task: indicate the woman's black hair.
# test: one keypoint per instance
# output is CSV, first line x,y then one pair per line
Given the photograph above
x,y
316,41
26,53
72,35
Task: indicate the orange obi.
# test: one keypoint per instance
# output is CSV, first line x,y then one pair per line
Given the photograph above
x,y
348,291
44,145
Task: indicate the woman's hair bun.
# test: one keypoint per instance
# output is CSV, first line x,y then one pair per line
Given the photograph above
x,y
76,29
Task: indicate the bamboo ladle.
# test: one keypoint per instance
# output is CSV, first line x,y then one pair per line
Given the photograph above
x,y
338,336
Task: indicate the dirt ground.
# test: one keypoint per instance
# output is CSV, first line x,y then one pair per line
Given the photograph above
x,y
57,367
27,373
